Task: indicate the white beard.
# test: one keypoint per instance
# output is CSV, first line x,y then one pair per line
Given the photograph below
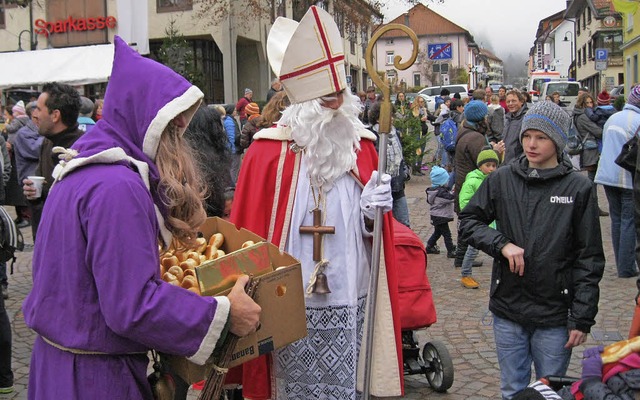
x,y
330,137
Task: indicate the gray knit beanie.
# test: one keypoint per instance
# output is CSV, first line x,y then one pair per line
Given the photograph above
x,y
549,118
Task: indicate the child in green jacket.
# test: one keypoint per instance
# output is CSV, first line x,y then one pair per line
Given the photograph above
x,y
487,162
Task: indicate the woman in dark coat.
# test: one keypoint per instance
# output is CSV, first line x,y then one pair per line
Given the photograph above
x,y
588,129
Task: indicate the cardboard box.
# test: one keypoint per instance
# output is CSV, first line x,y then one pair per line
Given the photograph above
x,y
280,294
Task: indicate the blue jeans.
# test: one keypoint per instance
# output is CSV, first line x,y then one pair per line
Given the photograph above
x,y
467,263
623,229
401,210
518,347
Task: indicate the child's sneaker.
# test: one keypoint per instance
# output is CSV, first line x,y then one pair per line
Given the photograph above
x,y
6,390
469,283
433,249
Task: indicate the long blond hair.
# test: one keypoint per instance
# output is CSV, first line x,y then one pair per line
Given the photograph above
x,y
181,186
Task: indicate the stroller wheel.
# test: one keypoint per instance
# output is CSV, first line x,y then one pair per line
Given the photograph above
x,y
438,366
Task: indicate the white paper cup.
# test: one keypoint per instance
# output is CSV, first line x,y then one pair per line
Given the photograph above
x,y
37,184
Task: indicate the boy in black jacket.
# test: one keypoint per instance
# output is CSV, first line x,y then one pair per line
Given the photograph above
x,y
547,250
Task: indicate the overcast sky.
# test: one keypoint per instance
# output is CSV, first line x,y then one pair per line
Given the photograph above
x,y
509,25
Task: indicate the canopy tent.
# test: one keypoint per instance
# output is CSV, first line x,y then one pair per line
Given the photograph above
x,y
71,65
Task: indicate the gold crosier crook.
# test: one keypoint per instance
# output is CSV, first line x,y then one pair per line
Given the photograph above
x,y
383,131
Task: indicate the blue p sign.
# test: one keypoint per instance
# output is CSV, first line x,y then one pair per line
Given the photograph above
x,y
602,54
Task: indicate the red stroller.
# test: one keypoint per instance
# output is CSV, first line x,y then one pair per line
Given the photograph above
x,y
417,311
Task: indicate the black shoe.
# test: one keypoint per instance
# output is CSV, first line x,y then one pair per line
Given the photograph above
x,y
451,253
603,213
476,264
433,250
23,224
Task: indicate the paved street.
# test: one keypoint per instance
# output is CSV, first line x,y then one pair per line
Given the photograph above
x,y
463,322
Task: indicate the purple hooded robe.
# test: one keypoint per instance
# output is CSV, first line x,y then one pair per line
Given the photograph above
x,y
96,277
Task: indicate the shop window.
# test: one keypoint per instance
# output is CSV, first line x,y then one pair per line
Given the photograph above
x,y
610,41
173,5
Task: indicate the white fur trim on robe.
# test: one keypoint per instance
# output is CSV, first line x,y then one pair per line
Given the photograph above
x,y
284,133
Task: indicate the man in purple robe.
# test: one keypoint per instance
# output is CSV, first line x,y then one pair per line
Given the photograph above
x,y
98,303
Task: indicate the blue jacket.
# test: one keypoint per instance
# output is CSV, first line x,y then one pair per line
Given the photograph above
x,y
230,127
620,127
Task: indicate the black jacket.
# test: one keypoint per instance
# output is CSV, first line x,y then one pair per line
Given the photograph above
x,y
553,215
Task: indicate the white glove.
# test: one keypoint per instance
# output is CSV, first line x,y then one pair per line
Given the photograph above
x,y
376,196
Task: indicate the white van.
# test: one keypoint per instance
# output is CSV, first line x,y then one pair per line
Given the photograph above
x,y
537,79
568,92
430,93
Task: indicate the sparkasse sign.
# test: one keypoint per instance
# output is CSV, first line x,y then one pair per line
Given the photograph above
x,y
72,24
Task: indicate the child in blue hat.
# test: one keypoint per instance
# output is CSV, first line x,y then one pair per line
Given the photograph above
x,y
441,200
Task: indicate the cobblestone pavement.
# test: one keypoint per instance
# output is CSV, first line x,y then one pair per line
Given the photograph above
x,y
463,323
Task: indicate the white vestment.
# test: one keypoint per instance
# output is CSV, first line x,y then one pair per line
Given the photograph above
x,y
323,365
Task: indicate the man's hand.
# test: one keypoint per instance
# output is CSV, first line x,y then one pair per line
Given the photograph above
x,y
576,338
515,255
376,196
28,189
244,314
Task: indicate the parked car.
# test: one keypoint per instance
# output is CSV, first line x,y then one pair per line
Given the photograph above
x,y
430,93
615,92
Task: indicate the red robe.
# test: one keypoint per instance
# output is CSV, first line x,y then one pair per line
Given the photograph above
x,y
270,166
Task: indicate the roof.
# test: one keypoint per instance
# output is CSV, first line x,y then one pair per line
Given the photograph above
x,y
423,21
600,8
81,65
489,55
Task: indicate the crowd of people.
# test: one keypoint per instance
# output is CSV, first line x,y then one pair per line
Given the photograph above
x,y
118,177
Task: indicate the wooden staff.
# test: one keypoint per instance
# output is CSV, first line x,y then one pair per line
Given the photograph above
x,y
384,124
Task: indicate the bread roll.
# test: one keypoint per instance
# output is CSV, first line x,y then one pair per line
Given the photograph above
x,y
168,262
218,254
182,256
195,256
177,272
216,240
189,281
189,272
189,263
619,350
210,251
201,244
168,276
248,243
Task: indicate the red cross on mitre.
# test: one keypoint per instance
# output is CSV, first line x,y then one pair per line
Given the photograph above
x,y
313,64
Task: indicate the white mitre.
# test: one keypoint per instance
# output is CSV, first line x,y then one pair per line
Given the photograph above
x,y
308,57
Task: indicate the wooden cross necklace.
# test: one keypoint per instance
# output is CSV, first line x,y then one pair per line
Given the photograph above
x,y
318,230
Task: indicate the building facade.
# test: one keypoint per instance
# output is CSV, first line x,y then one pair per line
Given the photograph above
x,y
598,43
227,39
446,50
631,42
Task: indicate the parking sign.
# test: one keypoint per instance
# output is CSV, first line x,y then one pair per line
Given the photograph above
x,y
602,54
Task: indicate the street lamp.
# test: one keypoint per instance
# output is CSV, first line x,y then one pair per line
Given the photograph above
x,y
32,44
570,40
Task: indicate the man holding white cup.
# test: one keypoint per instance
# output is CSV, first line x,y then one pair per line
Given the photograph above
x,y
56,115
